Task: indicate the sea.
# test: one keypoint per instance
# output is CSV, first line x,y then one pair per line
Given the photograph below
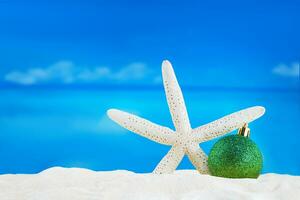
x,y
42,127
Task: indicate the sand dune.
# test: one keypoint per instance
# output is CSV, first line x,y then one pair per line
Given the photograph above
x,y
74,184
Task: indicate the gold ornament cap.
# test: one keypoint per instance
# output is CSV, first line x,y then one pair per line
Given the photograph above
x,y
244,131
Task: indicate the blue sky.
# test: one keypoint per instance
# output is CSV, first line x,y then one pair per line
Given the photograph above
x,y
211,43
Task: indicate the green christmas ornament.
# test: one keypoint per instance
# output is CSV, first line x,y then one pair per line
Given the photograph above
x,y
236,156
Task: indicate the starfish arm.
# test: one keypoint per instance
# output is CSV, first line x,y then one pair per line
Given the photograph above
x,y
175,99
170,161
143,127
227,124
198,158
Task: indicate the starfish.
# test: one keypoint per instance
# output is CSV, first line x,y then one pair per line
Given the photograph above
x,y
184,140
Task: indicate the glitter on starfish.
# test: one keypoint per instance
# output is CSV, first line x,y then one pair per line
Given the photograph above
x,y
184,140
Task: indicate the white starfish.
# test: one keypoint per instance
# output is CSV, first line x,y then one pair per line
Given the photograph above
x,y
184,140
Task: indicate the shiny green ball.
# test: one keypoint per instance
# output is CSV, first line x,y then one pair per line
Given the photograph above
x,y
235,156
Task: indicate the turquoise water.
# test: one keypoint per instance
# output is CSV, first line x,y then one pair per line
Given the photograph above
x,y
40,128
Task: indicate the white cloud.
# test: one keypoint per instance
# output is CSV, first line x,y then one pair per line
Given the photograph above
x,y
133,71
93,74
62,71
66,72
287,71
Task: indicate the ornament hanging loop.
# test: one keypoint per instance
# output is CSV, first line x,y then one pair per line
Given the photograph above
x,y
244,131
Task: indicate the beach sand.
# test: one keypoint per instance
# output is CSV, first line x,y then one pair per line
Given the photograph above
x,y
74,183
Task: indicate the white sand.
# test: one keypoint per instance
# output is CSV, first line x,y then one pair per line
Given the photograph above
x,y
74,183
